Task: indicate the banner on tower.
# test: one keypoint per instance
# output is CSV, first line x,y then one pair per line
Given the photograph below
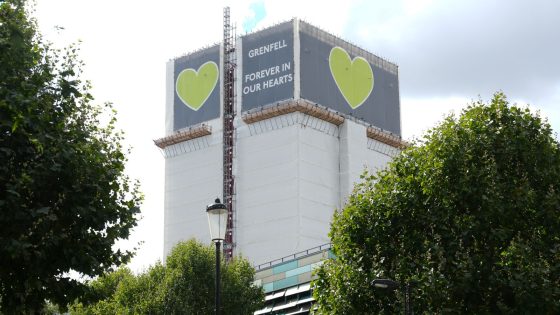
x,y
347,79
267,66
332,73
196,87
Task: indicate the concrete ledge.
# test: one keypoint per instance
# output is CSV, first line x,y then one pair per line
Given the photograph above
x,y
184,135
386,137
305,107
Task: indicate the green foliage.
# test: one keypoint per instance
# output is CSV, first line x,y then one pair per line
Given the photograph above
x,y
64,198
470,215
184,286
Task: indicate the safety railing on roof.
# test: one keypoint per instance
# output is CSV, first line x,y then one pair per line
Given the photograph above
x,y
301,254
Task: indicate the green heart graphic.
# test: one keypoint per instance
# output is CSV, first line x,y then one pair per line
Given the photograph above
x,y
194,87
354,78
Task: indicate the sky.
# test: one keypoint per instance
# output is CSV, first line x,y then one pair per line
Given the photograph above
x,y
449,53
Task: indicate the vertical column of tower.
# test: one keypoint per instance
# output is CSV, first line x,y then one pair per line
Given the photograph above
x,y
229,65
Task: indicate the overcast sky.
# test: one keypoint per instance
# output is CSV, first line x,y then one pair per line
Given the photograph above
x,y
448,52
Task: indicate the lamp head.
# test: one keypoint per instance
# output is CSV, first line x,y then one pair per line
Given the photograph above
x,y
385,284
217,220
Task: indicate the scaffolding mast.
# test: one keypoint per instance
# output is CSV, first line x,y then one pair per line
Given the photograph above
x,y
229,66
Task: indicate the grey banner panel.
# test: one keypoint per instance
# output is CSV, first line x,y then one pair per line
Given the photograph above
x,y
378,106
196,82
268,66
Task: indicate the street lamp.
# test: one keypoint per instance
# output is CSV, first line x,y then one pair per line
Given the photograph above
x,y
393,285
217,221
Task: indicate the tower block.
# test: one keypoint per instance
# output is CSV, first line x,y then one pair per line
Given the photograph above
x,y
311,112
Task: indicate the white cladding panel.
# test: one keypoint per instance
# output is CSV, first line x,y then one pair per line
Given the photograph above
x,y
355,156
286,189
291,173
192,181
266,193
319,186
378,159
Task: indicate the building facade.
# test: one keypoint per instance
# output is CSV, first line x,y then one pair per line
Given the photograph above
x,y
311,112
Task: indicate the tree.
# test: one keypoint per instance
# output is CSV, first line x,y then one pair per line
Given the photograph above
x,y
470,216
185,285
64,197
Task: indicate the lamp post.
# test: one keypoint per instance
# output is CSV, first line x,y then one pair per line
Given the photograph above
x,y
393,285
217,220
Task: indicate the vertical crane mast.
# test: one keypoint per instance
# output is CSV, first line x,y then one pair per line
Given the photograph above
x,y
229,64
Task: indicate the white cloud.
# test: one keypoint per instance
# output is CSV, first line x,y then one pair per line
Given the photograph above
x,y
420,114
448,49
